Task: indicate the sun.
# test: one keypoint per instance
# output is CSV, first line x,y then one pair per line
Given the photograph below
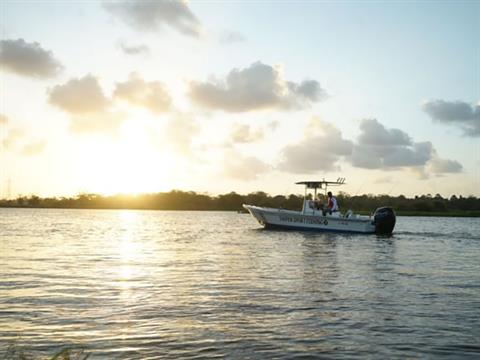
x,y
128,164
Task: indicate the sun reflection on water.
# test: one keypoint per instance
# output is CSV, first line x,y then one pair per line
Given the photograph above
x,y
129,249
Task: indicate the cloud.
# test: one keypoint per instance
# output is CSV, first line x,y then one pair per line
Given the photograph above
x,y
273,125
79,96
457,113
28,59
375,134
420,172
392,149
244,168
133,49
230,37
384,180
242,133
379,147
257,87
444,166
320,150
33,148
92,111
151,15
16,140
89,108
103,122
376,157
12,139
308,89
179,132
150,95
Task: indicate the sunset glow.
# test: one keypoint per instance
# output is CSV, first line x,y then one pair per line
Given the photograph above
x,y
98,98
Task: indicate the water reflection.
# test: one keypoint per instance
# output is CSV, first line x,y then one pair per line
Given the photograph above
x,y
319,263
140,284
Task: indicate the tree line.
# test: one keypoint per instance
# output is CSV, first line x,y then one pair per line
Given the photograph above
x,y
189,200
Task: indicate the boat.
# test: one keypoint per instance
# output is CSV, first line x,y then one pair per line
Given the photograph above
x,y
318,218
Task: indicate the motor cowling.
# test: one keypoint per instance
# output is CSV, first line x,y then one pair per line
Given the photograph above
x,y
384,219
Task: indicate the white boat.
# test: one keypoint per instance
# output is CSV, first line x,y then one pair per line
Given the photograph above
x,y
313,217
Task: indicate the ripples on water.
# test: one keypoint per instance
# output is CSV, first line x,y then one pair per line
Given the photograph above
x,y
152,284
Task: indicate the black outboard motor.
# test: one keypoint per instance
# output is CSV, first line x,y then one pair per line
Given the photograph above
x,y
384,220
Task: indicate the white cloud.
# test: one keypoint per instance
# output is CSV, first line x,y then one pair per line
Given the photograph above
x,y
444,166
257,87
242,133
384,180
419,171
102,122
13,138
79,96
179,133
33,148
151,15
244,168
16,140
89,108
150,95
273,125
322,149
457,113
28,59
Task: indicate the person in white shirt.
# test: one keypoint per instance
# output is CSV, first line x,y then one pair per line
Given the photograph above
x,y
332,203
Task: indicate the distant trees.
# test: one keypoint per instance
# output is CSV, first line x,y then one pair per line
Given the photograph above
x,y
189,200
230,201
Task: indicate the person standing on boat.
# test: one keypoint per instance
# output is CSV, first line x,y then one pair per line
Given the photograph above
x,y
318,202
332,203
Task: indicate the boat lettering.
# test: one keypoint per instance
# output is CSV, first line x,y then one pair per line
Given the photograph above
x,y
296,219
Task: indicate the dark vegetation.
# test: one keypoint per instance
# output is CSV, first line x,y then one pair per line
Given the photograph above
x,y
181,200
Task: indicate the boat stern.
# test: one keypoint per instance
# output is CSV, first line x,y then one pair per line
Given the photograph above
x,y
384,219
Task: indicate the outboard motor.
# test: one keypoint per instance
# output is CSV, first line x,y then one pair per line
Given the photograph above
x,y
384,220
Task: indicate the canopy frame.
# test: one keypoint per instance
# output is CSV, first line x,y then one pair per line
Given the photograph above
x,y
318,184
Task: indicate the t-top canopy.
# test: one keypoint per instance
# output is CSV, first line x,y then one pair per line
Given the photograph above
x,y
320,184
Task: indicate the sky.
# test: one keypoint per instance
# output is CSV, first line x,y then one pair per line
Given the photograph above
x,y
208,96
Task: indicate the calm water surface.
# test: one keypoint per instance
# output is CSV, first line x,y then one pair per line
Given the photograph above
x,y
152,284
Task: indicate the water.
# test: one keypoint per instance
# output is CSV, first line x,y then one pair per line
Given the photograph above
x,y
153,284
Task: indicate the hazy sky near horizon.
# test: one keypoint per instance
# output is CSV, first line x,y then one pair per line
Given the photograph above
x,y
147,96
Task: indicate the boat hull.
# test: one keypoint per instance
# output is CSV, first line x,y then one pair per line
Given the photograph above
x,y
316,221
